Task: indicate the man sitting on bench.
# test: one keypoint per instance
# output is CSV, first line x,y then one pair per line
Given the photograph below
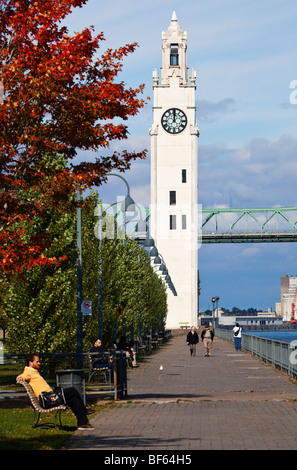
x,y
100,360
38,384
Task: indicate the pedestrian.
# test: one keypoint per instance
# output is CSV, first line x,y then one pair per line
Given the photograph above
x,y
237,336
207,336
38,384
192,340
122,345
101,360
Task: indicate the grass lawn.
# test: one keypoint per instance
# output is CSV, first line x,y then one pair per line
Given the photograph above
x,y
16,432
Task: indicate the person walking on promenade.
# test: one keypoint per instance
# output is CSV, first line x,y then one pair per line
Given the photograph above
x,y
237,336
192,340
207,339
38,384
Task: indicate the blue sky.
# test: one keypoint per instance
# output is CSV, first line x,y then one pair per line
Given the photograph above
x,y
244,53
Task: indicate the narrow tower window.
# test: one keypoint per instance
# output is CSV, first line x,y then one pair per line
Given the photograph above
x,y
172,222
184,222
172,198
184,176
173,54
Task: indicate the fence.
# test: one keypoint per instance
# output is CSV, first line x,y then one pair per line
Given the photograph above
x,y
55,363
279,354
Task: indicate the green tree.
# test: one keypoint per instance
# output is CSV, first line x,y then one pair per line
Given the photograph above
x,y
41,306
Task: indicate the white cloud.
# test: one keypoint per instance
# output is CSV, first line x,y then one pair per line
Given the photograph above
x,y
209,111
251,251
262,172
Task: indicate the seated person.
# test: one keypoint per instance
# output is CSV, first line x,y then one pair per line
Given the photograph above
x,y
122,345
38,385
100,359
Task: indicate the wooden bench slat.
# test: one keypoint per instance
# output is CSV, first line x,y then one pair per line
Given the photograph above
x,y
38,408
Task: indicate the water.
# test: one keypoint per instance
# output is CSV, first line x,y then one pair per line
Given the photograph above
x,y
283,336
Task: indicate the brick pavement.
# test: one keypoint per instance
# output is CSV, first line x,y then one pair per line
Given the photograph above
x,y
229,401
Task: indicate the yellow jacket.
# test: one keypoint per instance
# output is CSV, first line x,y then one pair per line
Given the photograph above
x,y
37,382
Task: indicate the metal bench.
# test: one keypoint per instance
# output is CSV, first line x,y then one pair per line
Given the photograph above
x,y
100,363
184,325
37,409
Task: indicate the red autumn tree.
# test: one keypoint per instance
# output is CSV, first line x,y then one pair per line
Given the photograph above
x,y
59,97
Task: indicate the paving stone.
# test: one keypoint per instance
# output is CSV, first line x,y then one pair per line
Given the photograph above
x,y
229,401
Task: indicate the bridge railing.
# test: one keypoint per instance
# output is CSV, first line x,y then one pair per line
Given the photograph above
x,y
223,225
227,225
279,354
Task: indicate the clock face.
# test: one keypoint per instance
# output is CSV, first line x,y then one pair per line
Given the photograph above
x,y
174,121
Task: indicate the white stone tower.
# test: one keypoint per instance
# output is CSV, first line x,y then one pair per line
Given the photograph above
x,y
174,171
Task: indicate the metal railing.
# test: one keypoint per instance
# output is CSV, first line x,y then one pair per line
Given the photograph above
x,y
279,354
226,225
52,363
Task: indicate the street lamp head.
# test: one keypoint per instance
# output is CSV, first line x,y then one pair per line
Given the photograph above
x,y
164,271
149,242
128,205
154,252
141,227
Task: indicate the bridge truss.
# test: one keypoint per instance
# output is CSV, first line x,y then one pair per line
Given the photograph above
x,y
221,225
225,225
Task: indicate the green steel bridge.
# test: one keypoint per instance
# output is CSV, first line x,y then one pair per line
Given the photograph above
x,y
266,225
225,225
222,225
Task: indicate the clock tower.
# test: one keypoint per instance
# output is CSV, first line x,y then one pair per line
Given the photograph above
x,y
174,171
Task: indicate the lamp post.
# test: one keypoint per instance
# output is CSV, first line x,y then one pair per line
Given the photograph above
x,y
128,202
127,205
214,300
79,323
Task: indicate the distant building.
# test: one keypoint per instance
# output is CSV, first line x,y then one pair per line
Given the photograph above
x,y
278,309
269,313
288,292
250,320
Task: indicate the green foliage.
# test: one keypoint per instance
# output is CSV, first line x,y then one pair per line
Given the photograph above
x,y
41,308
127,280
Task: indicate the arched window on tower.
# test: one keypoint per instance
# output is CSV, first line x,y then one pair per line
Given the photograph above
x,y
174,54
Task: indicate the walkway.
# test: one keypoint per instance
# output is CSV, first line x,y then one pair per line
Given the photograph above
x,y
230,400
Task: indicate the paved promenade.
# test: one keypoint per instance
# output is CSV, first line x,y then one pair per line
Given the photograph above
x,y
229,401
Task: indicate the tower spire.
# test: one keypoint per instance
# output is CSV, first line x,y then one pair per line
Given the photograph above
x,y
174,24
174,47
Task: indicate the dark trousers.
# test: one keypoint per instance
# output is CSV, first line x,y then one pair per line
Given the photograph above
x,y
74,401
237,342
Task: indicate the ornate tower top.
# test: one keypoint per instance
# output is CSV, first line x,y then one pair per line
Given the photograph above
x,y
174,58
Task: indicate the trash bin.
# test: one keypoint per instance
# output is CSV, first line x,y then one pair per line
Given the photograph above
x,y
120,374
72,378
